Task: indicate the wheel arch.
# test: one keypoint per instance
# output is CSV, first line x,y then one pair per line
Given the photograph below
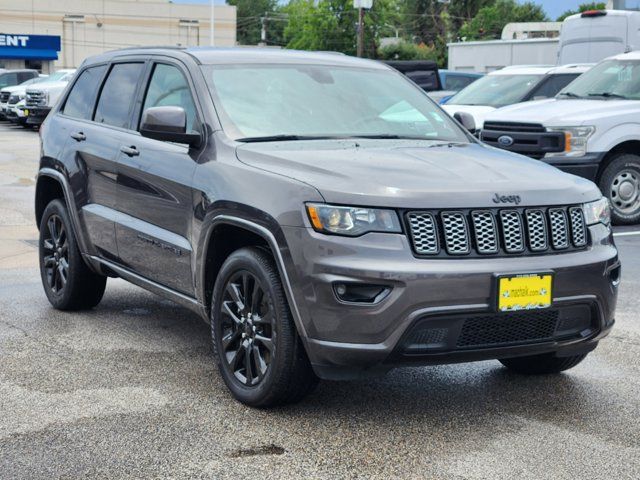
x,y
228,233
628,146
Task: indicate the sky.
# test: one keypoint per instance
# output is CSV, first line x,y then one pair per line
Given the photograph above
x,y
554,8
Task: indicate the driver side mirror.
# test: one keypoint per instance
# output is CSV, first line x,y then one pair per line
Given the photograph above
x,y
467,121
168,124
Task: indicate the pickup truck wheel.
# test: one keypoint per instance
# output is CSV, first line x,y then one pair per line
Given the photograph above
x,y
620,182
67,280
258,351
542,364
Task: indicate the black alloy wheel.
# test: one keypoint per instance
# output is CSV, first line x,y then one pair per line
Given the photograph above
x,y
248,328
56,254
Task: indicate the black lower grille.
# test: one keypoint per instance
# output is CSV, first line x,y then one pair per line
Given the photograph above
x,y
490,330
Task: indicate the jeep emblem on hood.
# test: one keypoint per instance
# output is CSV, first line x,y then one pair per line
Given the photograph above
x,y
507,199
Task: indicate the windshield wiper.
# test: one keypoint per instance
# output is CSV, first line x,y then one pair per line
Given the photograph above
x,y
569,94
285,137
608,95
391,136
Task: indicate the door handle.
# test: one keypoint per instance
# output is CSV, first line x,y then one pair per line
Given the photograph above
x,y
132,151
79,136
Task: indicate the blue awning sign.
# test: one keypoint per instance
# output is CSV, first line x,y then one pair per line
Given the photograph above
x,y
32,47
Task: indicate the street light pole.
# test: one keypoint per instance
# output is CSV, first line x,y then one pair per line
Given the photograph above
x,y
212,30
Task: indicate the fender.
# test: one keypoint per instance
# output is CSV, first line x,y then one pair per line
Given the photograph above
x,y
270,238
615,136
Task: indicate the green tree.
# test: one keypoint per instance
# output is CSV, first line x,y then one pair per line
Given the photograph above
x,y
249,18
407,51
490,20
583,8
331,25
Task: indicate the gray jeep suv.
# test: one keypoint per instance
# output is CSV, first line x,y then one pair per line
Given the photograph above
x,y
326,218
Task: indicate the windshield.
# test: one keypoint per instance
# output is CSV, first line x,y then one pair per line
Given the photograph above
x,y
55,77
496,90
609,79
261,101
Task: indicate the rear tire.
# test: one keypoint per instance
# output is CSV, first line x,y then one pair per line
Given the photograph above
x,y
67,280
257,348
542,364
620,183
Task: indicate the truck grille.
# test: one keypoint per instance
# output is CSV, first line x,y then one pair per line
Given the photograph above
x,y
4,97
35,98
530,139
516,231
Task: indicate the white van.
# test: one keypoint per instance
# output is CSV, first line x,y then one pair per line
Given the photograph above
x,y
597,34
591,129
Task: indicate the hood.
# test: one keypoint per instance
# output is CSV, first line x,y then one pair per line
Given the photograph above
x,y
14,89
478,112
569,112
43,86
416,174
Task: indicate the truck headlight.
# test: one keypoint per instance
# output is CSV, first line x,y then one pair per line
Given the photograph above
x,y
352,221
575,140
597,212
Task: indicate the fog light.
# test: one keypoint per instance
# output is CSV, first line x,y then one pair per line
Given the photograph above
x,y
360,292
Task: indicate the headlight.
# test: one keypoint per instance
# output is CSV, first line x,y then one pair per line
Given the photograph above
x,y
597,212
352,221
22,96
575,140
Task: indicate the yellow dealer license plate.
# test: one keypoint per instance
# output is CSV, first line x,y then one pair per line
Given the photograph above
x,y
524,292
26,113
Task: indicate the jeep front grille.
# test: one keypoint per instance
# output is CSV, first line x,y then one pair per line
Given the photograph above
x,y
510,231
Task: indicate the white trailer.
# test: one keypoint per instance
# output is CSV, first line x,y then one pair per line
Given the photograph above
x,y
487,56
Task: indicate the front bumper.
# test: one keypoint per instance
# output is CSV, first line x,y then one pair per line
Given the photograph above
x,y
586,166
346,340
37,115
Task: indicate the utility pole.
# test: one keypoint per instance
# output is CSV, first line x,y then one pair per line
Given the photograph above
x,y
360,32
263,30
361,5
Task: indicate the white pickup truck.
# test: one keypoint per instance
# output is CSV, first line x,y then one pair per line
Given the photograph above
x,y
42,97
591,128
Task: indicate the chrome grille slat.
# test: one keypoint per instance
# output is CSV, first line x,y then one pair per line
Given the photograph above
x,y
512,232
456,233
559,228
496,231
35,98
578,227
485,232
424,233
537,230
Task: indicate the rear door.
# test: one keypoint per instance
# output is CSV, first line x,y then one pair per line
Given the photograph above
x,y
91,150
154,187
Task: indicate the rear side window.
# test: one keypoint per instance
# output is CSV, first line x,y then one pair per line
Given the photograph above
x,y
81,100
457,82
552,86
118,94
169,88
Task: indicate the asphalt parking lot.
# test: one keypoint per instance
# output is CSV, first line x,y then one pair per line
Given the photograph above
x,y
129,390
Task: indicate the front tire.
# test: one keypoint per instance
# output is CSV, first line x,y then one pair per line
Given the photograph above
x,y
257,348
67,280
542,364
620,183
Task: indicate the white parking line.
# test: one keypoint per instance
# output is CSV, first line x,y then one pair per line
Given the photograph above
x,y
626,234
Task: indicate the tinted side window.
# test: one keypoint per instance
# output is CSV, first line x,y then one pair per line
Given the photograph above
x,y
81,100
425,79
117,96
552,86
169,88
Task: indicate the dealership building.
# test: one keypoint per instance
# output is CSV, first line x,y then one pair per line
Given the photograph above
x,y
49,35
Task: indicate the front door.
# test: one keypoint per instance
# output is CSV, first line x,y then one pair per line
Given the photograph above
x,y
154,195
